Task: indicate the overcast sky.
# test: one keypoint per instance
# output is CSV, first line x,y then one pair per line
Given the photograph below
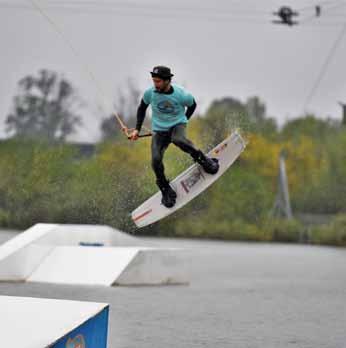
x,y
216,49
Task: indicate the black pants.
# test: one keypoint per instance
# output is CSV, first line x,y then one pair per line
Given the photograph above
x,y
160,143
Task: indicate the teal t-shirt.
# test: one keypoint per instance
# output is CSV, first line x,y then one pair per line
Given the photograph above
x,y
168,110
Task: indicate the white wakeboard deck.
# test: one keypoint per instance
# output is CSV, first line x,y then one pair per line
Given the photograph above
x,y
190,183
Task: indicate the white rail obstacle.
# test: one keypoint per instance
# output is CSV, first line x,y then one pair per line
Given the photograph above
x,y
88,255
38,323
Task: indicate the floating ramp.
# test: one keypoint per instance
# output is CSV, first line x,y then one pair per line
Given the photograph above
x,y
38,323
87,255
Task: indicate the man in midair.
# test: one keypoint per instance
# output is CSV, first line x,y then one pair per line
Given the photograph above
x,y
172,106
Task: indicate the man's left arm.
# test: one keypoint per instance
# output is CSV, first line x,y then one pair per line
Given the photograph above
x,y
191,109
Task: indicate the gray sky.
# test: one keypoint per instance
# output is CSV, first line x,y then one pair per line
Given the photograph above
x,y
215,49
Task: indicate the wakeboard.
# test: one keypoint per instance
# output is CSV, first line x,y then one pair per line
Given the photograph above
x,y
191,182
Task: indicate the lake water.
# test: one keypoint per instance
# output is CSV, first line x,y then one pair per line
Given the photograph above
x,y
241,295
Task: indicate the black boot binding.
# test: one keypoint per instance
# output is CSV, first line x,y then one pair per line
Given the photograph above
x,y
168,194
210,165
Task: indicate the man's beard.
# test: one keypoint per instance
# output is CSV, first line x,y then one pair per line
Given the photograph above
x,y
162,89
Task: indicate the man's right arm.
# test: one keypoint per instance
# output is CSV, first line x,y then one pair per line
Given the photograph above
x,y
142,108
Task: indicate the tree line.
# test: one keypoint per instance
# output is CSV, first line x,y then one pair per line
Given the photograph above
x,y
43,178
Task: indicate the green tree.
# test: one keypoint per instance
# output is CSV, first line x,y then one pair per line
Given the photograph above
x,y
222,116
258,119
226,114
44,108
310,126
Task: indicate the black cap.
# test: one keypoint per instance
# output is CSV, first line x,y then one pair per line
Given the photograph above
x,y
162,72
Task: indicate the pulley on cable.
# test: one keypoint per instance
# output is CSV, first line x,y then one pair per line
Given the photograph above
x,y
286,15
